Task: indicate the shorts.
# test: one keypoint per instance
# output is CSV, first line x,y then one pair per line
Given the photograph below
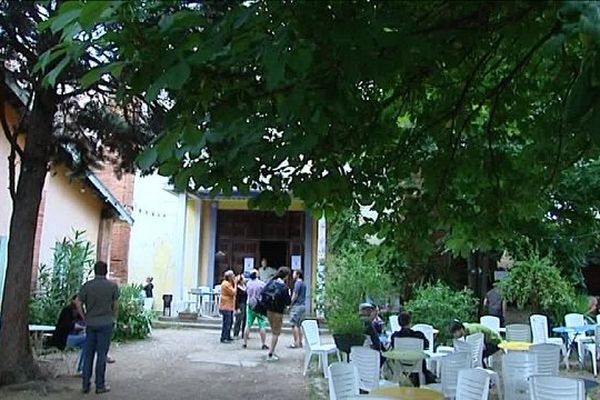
x,y
276,321
252,316
297,314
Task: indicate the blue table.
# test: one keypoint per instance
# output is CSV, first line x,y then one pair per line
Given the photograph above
x,y
575,331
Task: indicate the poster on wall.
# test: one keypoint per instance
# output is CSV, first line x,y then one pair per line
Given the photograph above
x,y
296,263
248,264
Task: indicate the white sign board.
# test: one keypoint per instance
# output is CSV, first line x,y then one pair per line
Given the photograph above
x,y
248,264
296,263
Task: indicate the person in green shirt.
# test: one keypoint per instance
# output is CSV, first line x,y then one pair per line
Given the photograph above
x,y
491,339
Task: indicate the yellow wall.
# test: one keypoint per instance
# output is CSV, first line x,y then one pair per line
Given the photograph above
x,y
191,264
205,242
5,200
242,204
70,205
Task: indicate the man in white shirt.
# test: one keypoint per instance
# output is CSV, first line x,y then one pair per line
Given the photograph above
x,y
266,273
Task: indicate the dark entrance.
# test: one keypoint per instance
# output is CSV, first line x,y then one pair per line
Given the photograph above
x,y
276,253
245,234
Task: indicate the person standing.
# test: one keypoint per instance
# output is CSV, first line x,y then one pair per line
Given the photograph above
x,y
495,303
227,305
298,310
266,273
240,307
99,298
253,290
278,298
149,287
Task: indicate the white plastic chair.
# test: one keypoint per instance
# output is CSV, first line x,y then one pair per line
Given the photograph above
x,y
314,346
556,387
394,324
343,381
594,350
427,330
473,384
573,320
450,367
539,329
491,322
517,367
367,363
477,343
518,333
410,343
548,358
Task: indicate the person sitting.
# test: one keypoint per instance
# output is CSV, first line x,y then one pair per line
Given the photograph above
x,y
491,339
372,326
70,331
405,321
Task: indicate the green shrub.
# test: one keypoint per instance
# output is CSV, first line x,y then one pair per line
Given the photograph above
x,y
72,263
536,284
438,305
133,322
351,279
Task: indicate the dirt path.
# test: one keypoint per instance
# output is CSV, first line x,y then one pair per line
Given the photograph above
x,y
187,364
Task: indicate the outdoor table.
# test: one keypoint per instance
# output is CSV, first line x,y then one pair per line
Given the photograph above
x,y
37,333
407,393
407,360
575,331
515,346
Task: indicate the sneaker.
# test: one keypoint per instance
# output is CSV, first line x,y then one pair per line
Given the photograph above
x,y
272,357
226,341
104,389
244,346
85,390
265,347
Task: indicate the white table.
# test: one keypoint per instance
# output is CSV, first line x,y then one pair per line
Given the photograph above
x,y
37,334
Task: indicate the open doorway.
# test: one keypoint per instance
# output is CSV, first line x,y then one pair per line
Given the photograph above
x,y
276,253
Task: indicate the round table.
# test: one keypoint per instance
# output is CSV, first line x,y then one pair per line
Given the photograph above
x,y
574,329
515,346
407,393
407,360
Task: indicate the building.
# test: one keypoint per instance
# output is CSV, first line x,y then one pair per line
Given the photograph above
x,y
69,203
188,240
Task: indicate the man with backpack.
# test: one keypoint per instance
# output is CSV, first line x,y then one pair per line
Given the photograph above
x,y
275,297
253,289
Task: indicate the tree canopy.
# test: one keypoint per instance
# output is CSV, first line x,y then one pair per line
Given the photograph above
x,y
440,116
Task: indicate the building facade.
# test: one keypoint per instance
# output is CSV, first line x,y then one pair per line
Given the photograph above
x,y
188,240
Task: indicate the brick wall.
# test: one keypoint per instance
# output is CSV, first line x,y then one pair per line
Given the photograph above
x,y
122,189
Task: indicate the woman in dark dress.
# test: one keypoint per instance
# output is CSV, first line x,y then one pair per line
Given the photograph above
x,y
241,298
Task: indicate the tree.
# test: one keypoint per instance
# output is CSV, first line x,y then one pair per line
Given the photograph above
x,y
453,117
65,118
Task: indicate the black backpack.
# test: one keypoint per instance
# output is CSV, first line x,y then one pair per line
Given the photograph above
x,y
268,298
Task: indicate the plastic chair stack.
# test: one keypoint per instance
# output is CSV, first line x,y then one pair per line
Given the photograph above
x,y
473,384
343,381
451,365
548,358
517,367
518,333
556,387
539,329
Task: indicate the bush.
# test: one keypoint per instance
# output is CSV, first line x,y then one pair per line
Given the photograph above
x,y
536,283
351,279
133,322
72,263
438,305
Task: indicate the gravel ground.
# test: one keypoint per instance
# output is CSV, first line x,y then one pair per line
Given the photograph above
x,y
184,364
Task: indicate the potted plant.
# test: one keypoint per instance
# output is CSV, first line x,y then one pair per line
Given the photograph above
x,y
351,279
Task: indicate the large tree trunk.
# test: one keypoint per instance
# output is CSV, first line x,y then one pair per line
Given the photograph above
x,y
16,361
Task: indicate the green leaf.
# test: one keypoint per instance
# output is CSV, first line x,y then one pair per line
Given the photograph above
x,y
53,75
146,159
165,22
95,11
178,75
47,58
92,76
63,19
